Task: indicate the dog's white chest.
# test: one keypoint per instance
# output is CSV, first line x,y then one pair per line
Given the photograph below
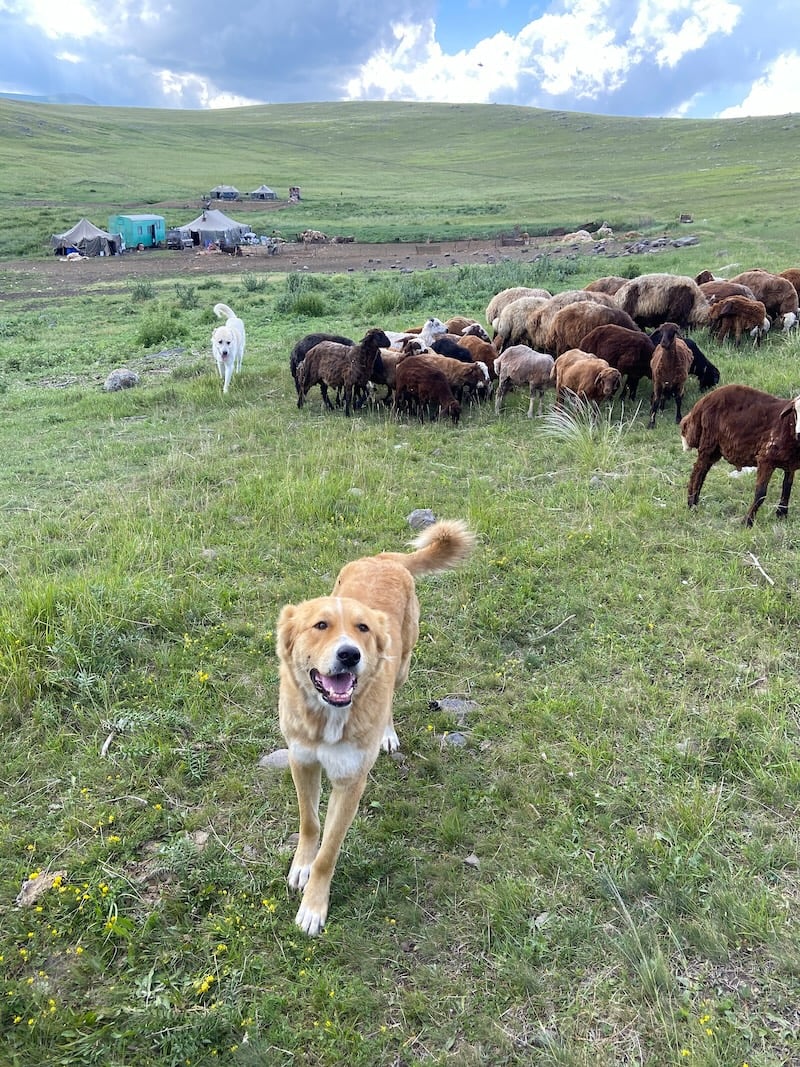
x,y
340,760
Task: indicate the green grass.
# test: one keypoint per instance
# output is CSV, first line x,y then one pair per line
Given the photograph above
x,y
629,779
394,171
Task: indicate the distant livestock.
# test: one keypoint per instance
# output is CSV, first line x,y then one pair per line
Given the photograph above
x,y
748,428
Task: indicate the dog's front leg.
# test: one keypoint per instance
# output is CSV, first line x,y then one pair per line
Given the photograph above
x,y
307,782
345,797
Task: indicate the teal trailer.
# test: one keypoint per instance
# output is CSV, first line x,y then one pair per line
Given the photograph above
x,y
150,231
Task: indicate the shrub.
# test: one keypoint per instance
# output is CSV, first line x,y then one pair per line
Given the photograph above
x,y
160,326
142,289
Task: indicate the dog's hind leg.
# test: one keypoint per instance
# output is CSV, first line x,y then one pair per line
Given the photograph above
x,y
345,797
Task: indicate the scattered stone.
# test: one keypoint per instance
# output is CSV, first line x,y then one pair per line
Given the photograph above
x,y
455,706
472,861
122,378
420,518
209,553
277,760
456,739
33,888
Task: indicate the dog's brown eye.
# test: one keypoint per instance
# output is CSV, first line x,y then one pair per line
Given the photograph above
x,y
321,625
362,627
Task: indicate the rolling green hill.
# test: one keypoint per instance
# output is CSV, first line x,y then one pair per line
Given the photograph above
x,y
402,171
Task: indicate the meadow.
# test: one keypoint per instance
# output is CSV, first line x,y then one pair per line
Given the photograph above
x,y
586,853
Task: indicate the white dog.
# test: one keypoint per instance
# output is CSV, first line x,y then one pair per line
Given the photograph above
x,y
227,343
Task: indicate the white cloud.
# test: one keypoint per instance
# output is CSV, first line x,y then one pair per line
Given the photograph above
x,y
189,90
777,93
673,28
60,18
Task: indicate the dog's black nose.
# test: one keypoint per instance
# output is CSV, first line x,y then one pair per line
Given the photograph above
x,y
348,656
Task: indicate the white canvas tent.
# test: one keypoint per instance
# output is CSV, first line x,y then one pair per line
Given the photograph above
x,y
88,239
214,225
263,192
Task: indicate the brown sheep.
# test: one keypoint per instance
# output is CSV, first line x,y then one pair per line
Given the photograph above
x,y
630,351
587,377
652,299
718,290
305,344
792,274
481,351
747,428
736,315
469,381
669,369
335,366
777,294
609,284
418,386
460,325
570,325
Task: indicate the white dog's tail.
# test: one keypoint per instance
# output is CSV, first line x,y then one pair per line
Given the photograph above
x,y
222,311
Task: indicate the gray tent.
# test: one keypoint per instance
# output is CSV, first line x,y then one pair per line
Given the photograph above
x,y
88,239
263,192
214,225
224,192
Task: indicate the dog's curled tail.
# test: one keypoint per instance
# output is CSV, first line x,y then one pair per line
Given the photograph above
x,y
439,547
222,311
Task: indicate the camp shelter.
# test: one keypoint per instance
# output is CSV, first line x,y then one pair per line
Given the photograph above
x,y
214,225
147,230
224,192
263,192
88,239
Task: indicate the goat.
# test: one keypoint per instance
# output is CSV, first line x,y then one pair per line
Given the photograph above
x,y
418,385
522,366
669,368
748,428
346,367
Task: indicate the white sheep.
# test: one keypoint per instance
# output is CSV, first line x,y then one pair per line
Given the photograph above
x,y
519,366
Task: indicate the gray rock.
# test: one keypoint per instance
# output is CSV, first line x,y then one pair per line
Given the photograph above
x,y
277,760
420,518
122,378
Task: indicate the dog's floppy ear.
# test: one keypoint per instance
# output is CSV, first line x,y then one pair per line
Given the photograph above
x,y
383,640
285,631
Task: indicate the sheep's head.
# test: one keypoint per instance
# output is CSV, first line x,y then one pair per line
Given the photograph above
x,y
608,382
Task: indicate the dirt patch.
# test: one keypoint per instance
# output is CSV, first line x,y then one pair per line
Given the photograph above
x,y
41,279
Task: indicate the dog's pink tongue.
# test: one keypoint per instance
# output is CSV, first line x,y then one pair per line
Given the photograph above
x,y
339,684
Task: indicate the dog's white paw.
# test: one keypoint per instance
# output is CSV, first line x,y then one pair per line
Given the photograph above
x,y
310,921
390,742
298,875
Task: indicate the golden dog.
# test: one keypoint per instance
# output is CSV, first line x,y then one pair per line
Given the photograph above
x,y
341,658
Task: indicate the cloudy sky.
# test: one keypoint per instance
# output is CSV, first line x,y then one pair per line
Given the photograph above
x,y
693,58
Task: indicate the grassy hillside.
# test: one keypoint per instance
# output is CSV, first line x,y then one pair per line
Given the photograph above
x,y
387,170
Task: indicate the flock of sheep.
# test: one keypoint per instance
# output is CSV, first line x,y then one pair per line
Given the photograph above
x,y
591,343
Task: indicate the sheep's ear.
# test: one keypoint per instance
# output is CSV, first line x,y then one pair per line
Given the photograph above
x,y
790,409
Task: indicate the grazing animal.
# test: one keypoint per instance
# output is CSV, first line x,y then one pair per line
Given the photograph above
x,y
482,351
341,659
776,293
748,428
702,368
469,381
609,284
227,344
445,345
718,290
792,274
570,325
736,315
420,386
507,296
305,344
652,299
587,377
630,351
335,366
460,325
669,369
521,366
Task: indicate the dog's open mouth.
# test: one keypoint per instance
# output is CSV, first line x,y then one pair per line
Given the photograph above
x,y
336,689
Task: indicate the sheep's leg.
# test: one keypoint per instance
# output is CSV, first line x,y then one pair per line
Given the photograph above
x,y
503,388
678,402
348,398
703,464
534,390
763,475
782,509
325,398
654,405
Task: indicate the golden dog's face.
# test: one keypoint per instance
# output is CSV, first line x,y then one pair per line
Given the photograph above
x,y
331,645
